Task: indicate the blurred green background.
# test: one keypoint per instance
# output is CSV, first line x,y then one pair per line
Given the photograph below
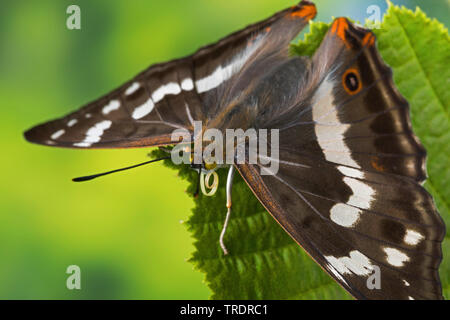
x,y
123,231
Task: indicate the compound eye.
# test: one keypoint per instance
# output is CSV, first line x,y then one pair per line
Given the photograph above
x,y
352,81
210,166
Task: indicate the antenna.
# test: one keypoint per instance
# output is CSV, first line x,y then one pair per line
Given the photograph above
x,y
91,177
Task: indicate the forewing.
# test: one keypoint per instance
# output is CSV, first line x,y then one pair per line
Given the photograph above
x,y
348,185
142,112
168,96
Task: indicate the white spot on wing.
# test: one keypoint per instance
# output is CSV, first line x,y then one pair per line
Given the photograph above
x,y
355,263
72,122
344,215
395,257
347,215
57,134
413,237
362,193
132,89
187,84
324,110
219,76
337,264
350,172
143,109
213,80
94,134
161,92
82,144
111,106
406,283
222,74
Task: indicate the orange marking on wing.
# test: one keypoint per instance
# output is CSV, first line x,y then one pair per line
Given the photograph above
x,y
306,12
340,26
368,40
376,165
334,26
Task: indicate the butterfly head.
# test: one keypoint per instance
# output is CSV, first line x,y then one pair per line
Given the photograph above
x,y
201,162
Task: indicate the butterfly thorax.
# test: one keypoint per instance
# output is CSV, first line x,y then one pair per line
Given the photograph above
x,y
256,105
253,108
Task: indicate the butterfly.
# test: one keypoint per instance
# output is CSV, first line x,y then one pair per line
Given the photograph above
x,y
348,186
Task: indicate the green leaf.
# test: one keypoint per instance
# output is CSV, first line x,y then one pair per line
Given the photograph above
x,y
312,40
418,50
265,263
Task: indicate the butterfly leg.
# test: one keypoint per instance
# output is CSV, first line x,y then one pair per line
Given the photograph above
x,y
225,225
197,190
166,150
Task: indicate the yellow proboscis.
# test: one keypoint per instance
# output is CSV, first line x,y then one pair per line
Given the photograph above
x,y
206,184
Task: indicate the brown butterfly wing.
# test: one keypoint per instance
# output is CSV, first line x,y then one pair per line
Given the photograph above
x,y
168,96
348,185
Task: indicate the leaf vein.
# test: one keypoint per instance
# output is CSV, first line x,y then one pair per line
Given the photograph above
x,y
426,76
